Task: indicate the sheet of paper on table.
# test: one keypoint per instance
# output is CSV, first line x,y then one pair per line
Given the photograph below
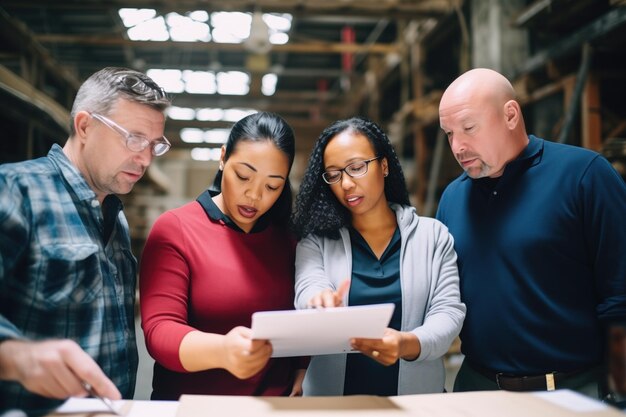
x,y
93,407
320,331
87,405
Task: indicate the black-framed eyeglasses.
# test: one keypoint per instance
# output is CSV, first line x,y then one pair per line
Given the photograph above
x,y
355,170
136,143
143,87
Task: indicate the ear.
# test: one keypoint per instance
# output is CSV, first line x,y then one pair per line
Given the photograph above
x,y
222,155
81,122
385,166
512,113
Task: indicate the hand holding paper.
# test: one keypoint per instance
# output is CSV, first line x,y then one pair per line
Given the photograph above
x,y
245,357
393,346
320,331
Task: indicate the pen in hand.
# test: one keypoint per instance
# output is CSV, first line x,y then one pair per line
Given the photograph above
x,y
94,394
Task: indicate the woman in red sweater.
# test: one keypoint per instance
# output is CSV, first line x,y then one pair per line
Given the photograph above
x,y
208,265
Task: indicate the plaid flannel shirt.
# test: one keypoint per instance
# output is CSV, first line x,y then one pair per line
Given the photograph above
x,y
58,278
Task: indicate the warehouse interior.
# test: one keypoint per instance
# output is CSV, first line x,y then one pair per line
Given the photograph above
x,y
312,62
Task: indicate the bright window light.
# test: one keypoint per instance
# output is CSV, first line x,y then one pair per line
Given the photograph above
x,y
132,17
169,79
218,136
181,113
278,22
225,27
234,115
279,25
230,27
199,15
206,154
268,84
199,82
192,135
185,29
279,38
233,82
208,114
150,30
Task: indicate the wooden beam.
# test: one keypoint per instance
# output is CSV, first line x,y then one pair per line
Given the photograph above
x,y
27,93
405,9
571,43
295,123
425,109
590,115
565,84
300,48
14,33
271,104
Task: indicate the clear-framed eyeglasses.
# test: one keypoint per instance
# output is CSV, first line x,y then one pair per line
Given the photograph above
x,y
143,87
355,170
136,143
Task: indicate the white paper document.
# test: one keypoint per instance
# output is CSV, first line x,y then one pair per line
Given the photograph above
x,y
95,407
320,331
76,405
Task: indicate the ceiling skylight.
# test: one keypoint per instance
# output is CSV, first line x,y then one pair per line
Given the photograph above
x,y
234,115
170,79
233,82
268,84
199,82
181,113
206,154
132,17
194,135
230,27
225,27
149,30
208,114
186,29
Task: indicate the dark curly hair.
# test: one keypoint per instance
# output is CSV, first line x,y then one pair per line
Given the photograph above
x,y
265,126
317,210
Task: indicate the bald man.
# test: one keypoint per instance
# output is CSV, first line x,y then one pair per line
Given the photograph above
x,y
540,233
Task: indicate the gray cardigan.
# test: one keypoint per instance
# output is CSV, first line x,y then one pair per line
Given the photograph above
x,y
431,305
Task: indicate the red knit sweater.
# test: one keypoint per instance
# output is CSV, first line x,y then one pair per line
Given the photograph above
x,y
197,273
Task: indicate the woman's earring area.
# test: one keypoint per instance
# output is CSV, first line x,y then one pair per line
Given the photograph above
x,y
221,166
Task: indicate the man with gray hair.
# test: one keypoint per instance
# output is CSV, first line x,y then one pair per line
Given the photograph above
x,y
67,274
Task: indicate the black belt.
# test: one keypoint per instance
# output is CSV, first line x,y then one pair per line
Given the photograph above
x,y
509,382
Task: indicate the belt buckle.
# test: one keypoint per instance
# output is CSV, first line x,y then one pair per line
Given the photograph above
x,y
550,382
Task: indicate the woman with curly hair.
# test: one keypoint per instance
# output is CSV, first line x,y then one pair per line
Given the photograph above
x,y
360,242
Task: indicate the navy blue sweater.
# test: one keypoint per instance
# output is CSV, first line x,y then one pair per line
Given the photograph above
x,y
542,259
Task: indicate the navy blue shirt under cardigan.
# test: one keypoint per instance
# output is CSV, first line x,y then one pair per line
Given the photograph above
x,y
541,259
374,281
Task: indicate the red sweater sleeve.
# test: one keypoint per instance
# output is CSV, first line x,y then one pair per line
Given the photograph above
x,y
163,286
